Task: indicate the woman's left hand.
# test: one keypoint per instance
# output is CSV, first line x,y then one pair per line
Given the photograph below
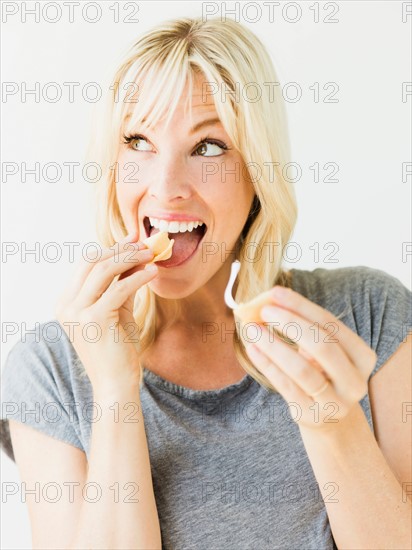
x,y
330,367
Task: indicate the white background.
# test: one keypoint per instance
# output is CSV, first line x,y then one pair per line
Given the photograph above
x,y
367,133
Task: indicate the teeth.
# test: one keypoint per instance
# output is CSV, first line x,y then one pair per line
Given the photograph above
x,y
154,222
174,226
163,225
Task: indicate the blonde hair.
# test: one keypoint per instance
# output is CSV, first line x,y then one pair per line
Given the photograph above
x,y
229,55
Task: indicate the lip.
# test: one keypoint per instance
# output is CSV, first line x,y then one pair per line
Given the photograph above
x,y
175,216
146,223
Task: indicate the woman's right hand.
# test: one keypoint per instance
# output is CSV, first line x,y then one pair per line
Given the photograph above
x,y
94,309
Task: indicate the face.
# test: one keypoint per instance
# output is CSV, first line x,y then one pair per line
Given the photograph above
x,y
175,172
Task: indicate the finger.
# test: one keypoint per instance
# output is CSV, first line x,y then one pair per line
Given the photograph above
x,y
85,265
291,362
347,379
114,298
351,342
277,377
301,406
129,272
101,277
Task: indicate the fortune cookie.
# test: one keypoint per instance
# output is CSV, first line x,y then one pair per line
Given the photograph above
x,y
161,246
249,312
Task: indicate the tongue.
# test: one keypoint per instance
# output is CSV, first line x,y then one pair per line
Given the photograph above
x,y
184,246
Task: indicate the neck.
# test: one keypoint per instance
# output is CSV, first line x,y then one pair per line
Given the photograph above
x,y
205,305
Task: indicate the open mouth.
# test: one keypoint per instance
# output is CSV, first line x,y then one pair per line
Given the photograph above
x,y
185,245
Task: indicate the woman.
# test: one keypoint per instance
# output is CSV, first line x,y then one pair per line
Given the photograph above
x,y
145,422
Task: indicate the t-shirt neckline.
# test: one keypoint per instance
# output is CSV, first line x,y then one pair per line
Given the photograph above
x,y
154,379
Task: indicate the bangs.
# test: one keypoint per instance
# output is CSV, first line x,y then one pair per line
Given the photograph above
x,y
157,71
151,90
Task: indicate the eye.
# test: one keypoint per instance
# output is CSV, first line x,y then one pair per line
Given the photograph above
x,y
210,148
137,142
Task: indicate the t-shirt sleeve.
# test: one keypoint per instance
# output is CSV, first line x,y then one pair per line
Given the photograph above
x,y
389,307
36,392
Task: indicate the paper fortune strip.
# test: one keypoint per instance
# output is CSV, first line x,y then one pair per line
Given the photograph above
x,y
245,311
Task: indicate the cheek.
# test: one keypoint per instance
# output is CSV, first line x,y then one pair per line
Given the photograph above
x,y
229,188
220,181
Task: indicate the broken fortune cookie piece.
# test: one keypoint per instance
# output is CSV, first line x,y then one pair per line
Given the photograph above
x,y
245,311
161,246
249,312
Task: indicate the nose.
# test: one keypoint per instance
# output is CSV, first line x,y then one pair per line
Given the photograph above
x,y
170,180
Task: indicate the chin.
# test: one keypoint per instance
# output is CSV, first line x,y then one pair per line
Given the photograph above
x,y
175,288
170,289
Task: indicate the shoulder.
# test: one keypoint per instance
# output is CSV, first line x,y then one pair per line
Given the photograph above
x,y
373,303
321,279
43,355
42,382
358,285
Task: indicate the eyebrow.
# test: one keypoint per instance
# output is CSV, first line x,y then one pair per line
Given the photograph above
x,y
208,122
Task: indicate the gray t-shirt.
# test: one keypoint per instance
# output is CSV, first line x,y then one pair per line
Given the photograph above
x,y
229,467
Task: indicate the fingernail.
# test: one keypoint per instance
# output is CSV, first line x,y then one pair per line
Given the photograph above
x,y
267,313
279,292
151,267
